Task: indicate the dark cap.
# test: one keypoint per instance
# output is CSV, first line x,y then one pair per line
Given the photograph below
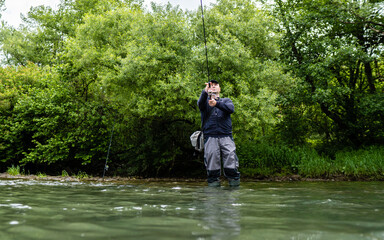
x,y
214,81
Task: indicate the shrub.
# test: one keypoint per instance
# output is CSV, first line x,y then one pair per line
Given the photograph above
x,y
260,158
14,171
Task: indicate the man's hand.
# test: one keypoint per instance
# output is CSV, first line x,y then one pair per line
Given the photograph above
x,y
212,102
206,87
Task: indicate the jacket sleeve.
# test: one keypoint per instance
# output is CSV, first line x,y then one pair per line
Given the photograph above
x,y
202,102
226,106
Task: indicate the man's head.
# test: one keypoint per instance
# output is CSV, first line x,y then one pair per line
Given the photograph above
x,y
215,86
214,81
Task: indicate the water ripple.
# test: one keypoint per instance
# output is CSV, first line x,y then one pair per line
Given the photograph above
x,y
16,206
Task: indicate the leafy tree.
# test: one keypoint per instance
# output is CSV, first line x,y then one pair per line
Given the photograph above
x,y
46,123
41,36
334,47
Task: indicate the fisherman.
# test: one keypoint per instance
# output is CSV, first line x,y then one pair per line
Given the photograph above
x,y
218,140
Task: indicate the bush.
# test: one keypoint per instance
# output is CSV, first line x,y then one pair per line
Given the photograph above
x,y
263,159
49,123
14,171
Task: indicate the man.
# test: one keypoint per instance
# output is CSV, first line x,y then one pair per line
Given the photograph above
x,y
216,112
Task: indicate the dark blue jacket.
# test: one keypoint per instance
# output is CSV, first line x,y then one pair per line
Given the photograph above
x,y
219,123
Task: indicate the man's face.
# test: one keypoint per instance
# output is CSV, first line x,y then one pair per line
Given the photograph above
x,y
215,87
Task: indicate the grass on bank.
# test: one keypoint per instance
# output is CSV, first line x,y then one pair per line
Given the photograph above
x,y
41,175
15,171
264,160
64,173
365,162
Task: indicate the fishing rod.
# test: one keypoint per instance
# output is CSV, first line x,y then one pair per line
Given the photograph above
x,y
109,148
205,39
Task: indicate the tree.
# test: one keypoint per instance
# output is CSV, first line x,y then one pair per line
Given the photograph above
x,y
44,123
40,39
334,47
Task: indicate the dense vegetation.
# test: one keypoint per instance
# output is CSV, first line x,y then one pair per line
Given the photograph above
x,y
306,78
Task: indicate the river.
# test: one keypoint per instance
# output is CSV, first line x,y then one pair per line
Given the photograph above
x,y
183,210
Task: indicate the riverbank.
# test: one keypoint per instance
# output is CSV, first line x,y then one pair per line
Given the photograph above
x,y
290,178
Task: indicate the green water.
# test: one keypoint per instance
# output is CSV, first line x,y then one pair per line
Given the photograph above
x,y
142,210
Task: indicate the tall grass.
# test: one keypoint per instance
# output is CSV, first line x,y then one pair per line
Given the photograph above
x,y
263,160
363,163
312,165
82,175
14,171
64,173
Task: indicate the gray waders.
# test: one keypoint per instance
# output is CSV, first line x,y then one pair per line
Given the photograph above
x,y
215,149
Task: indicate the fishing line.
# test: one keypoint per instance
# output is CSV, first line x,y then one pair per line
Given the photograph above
x,y
205,39
109,148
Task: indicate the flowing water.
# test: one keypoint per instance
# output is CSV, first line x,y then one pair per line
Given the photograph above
x,y
178,210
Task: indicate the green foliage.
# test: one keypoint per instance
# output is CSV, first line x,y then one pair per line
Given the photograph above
x,y
2,4
150,64
49,124
326,44
14,171
41,37
313,165
41,175
263,159
366,162
64,173
82,175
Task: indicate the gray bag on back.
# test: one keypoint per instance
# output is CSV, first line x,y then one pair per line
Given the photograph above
x,y
197,138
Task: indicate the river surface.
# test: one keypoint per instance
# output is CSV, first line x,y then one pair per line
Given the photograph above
x,y
178,210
